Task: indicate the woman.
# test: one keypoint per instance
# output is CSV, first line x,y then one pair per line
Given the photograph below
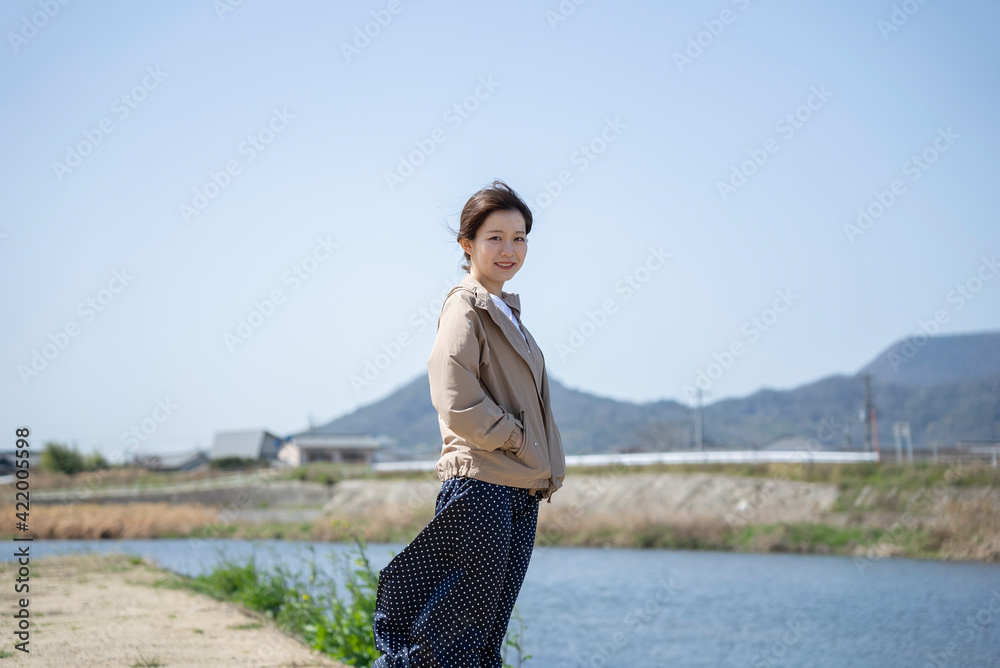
x,y
446,599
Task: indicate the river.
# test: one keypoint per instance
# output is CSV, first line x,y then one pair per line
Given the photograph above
x,y
611,607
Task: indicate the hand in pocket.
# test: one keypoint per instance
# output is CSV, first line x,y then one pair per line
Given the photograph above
x,y
520,442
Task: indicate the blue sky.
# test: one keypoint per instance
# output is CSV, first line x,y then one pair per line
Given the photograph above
x,y
807,111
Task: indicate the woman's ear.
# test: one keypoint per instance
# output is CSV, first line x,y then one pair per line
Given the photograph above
x,y
466,245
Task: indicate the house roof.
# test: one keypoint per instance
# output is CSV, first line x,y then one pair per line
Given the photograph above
x,y
171,460
247,443
335,441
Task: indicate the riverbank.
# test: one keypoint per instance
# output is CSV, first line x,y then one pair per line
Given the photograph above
x,y
938,512
113,610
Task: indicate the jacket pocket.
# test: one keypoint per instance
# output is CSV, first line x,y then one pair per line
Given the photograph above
x,y
519,453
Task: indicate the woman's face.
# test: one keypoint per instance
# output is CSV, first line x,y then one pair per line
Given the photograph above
x,y
498,250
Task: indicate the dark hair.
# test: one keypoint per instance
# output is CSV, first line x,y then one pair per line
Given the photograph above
x,y
497,196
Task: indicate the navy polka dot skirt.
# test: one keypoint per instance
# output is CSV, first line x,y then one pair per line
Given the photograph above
x,y
446,599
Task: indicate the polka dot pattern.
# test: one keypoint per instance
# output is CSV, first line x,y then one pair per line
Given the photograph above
x,y
446,599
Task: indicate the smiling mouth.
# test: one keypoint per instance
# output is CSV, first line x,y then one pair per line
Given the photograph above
x,y
504,265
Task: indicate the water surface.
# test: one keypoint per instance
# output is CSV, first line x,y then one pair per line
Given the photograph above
x,y
612,607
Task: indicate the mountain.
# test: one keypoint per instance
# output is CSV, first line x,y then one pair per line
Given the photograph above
x,y
946,387
921,361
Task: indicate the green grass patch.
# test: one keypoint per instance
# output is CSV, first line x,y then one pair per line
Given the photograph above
x,y
805,538
310,605
335,620
246,627
143,662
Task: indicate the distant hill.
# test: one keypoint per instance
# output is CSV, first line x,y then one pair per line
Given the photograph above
x,y
948,389
916,361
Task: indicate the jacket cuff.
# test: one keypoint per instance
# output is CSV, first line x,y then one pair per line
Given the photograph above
x,y
512,439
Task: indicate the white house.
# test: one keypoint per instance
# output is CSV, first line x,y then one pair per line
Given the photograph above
x,y
335,448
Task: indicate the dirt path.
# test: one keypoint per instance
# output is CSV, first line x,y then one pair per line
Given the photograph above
x,y
101,610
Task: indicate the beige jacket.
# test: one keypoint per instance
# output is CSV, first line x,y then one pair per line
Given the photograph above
x,y
488,386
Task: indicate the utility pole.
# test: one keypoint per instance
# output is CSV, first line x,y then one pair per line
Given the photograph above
x,y
699,425
868,412
871,420
869,415
897,436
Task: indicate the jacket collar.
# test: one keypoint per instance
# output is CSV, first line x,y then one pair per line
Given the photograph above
x,y
525,345
512,299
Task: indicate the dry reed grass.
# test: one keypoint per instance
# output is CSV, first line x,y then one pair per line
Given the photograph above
x,y
968,529
92,521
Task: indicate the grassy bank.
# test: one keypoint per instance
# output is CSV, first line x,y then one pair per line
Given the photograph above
x,y
803,538
112,609
308,603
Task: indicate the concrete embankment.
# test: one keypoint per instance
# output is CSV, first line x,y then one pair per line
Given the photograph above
x,y
711,511
612,499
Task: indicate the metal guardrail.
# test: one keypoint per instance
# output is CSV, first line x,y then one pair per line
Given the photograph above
x,y
627,459
685,457
992,451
